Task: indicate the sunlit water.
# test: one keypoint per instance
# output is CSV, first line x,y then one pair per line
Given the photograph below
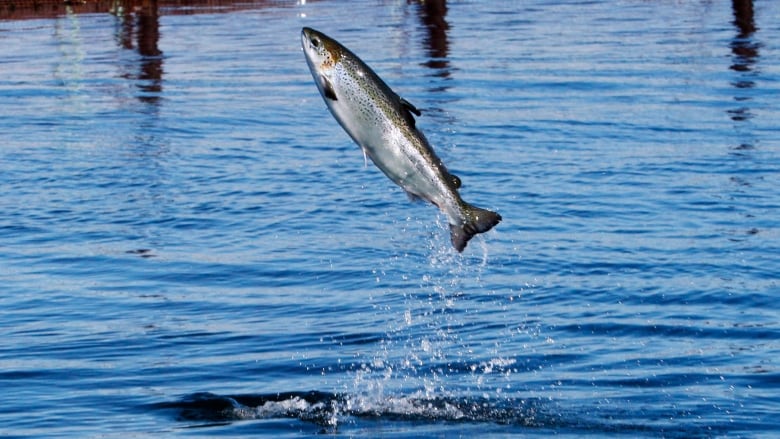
x,y
191,246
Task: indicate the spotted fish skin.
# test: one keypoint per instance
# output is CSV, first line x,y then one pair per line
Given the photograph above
x,y
383,125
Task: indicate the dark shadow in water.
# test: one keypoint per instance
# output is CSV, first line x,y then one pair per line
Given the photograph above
x,y
140,31
745,55
329,410
432,15
321,408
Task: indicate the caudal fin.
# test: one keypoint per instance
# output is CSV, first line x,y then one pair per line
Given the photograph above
x,y
476,221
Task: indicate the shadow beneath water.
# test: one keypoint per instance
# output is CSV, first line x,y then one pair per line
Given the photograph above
x,y
330,411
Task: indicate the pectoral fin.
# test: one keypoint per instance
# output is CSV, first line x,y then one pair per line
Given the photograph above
x,y
412,197
327,89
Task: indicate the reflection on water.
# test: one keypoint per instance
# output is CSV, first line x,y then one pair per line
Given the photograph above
x,y
30,9
141,31
138,32
432,15
745,51
744,58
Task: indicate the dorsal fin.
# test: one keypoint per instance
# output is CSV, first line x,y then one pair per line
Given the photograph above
x,y
408,105
407,108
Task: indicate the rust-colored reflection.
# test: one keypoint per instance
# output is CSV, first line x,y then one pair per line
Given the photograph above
x,y
29,9
743,47
745,55
432,15
140,31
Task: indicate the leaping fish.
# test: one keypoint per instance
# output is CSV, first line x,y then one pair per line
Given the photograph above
x,y
383,125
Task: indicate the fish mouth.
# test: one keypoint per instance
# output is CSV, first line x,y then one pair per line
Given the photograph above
x,y
309,50
309,37
305,34
305,40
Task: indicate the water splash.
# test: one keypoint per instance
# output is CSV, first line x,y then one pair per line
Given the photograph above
x,y
426,353
329,409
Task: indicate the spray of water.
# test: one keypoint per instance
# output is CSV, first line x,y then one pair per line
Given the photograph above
x,y
426,364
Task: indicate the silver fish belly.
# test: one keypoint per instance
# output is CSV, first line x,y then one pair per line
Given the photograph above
x,y
383,125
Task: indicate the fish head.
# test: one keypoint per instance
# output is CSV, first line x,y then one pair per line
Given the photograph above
x,y
322,55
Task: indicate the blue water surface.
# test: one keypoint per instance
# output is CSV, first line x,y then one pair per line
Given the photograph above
x,y
191,246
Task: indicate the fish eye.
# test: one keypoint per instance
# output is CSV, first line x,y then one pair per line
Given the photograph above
x,y
315,42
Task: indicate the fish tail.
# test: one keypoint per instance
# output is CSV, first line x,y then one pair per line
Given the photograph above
x,y
475,220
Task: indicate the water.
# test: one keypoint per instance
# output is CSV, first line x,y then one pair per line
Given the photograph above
x,y
191,246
